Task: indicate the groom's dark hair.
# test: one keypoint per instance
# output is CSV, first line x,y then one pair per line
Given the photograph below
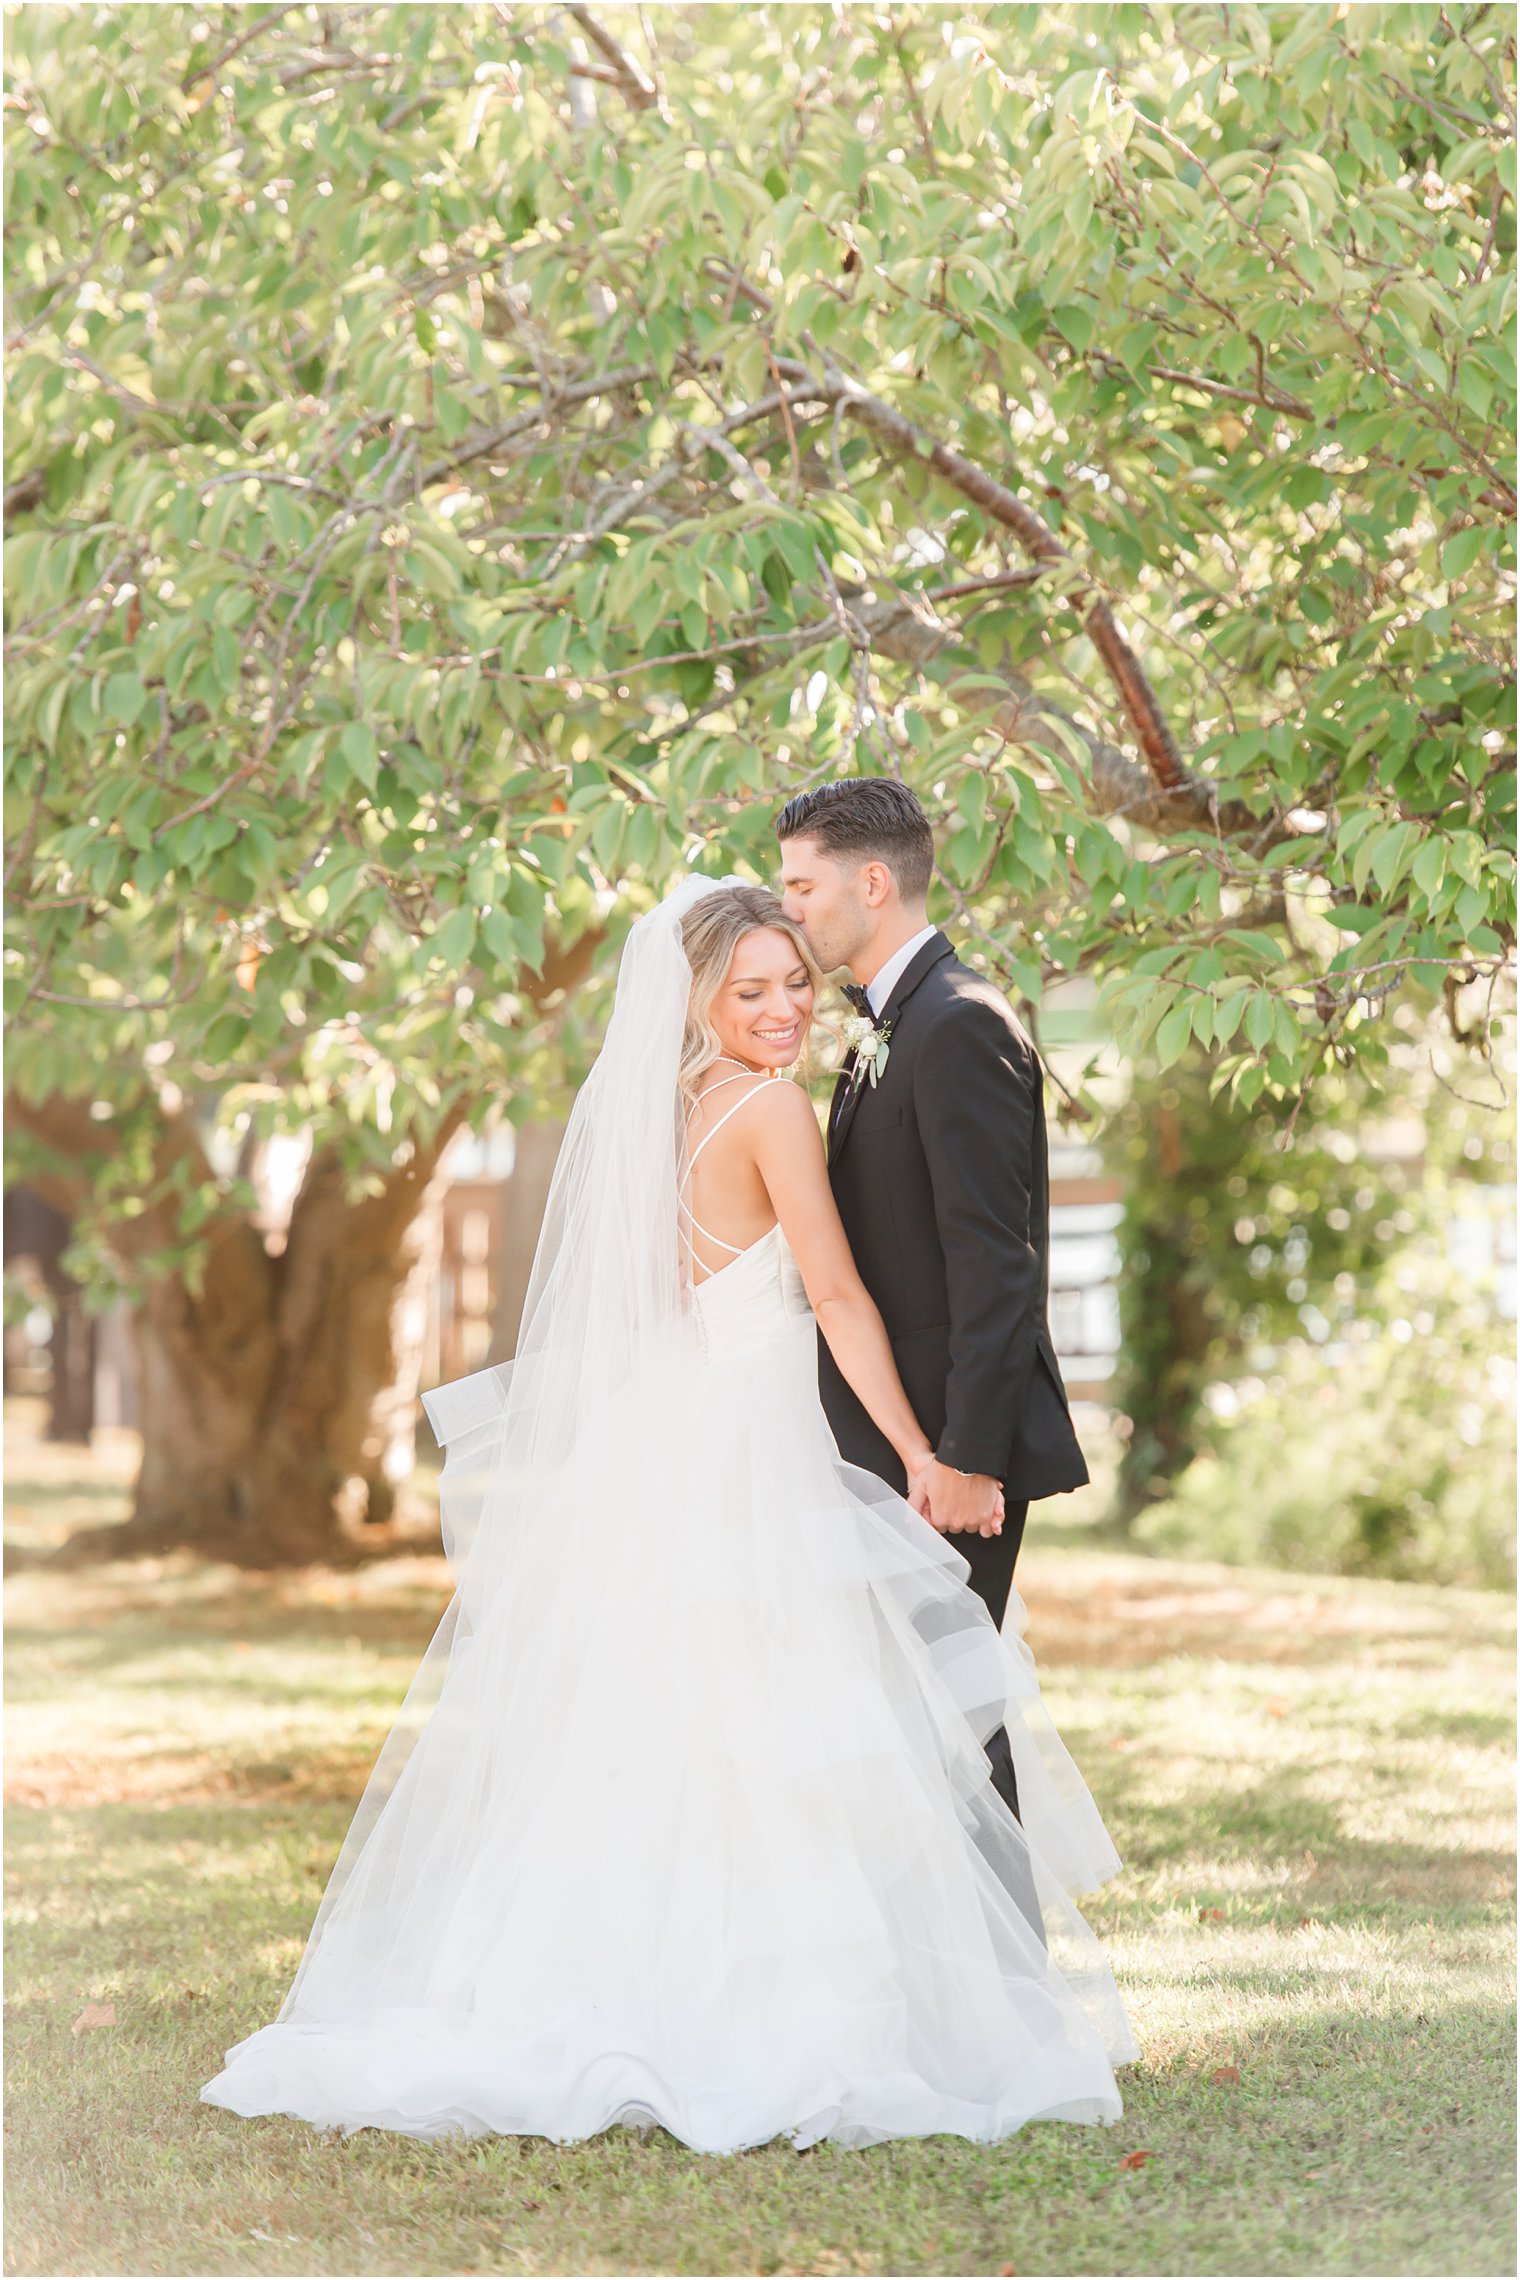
x,y
866,818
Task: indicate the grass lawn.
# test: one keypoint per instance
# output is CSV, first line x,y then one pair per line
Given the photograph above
x,y
1310,1782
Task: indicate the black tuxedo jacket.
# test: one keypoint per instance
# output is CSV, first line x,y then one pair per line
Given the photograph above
x,y
940,1174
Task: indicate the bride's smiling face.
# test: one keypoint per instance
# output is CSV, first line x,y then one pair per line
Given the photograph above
x,y
760,1012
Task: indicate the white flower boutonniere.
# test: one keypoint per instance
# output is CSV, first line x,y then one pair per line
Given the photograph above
x,y
869,1046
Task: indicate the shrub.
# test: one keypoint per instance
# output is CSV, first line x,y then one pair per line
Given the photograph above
x,y
1390,1452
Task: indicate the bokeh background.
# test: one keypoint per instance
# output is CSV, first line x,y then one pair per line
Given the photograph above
x,y
464,467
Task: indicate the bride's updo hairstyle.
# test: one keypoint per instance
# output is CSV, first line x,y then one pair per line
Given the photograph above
x,y
711,932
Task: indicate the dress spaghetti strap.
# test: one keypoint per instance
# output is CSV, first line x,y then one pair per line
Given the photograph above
x,y
732,1110
736,1249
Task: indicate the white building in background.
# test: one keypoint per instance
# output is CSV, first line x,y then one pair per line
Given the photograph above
x,y
1480,1242
1086,1205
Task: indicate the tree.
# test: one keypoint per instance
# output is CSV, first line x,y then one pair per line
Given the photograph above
x,y
1223,1243
1232,1248
465,464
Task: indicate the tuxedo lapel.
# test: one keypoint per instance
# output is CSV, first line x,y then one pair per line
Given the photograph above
x,y
847,1107
842,1113
840,1093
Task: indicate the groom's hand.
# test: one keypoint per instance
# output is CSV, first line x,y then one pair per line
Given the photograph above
x,y
958,1503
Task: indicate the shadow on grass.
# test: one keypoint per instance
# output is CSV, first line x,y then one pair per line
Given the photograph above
x,y
1481,1729
1274,1818
75,1488
113,1653
1274,1852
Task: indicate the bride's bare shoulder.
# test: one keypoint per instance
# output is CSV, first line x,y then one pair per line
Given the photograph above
x,y
715,1095
786,1119
790,1120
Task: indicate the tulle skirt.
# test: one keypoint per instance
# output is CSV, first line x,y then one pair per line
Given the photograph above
x,y
688,1820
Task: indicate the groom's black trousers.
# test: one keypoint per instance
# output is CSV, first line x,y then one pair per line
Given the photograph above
x,y
992,1559
991,1578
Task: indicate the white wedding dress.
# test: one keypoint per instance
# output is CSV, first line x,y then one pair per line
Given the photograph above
x,y
687,1819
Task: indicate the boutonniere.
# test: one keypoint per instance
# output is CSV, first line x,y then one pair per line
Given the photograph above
x,y
868,1043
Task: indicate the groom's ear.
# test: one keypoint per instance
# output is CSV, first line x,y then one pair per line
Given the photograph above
x,y
877,884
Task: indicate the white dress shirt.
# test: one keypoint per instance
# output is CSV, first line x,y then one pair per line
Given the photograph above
x,y
881,986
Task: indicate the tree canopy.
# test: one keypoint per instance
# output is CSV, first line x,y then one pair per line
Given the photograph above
x,y
464,464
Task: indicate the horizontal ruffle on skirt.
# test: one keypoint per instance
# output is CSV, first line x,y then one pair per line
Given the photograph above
x,y
687,1820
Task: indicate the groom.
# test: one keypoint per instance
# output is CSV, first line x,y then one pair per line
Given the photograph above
x,y
939,1172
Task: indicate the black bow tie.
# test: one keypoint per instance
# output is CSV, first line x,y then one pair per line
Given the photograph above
x,y
858,998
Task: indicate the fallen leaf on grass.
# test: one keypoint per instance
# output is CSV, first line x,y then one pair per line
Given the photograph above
x,y
94,2015
1137,2160
1205,1914
1278,1709
1225,2074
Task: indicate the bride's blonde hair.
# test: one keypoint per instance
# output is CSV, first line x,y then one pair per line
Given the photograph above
x,y
711,932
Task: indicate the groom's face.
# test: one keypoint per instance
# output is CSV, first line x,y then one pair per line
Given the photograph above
x,y
828,898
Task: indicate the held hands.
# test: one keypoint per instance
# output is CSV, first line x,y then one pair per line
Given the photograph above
x,y
956,1503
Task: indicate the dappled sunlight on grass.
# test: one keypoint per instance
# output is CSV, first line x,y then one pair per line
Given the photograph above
x,y
1309,1781
1117,1609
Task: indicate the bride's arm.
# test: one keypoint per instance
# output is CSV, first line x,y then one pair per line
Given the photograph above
x,y
789,1154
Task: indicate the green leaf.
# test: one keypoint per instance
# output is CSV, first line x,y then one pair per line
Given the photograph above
x,y
497,933
1227,1015
125,698
358,747
1429,867
1260,1018
1390,852
1461,551
453,939
1475,388
1173,1033
1074,323
1260,945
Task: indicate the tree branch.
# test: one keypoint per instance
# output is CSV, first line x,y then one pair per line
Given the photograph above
x,y
906,630
629,75
1125,670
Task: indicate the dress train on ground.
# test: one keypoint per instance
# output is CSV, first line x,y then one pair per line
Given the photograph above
x,y
699,1830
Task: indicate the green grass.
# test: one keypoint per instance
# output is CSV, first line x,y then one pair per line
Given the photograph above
x,y
1309,1779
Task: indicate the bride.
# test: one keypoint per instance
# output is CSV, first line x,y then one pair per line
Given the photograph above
x,y
686,1819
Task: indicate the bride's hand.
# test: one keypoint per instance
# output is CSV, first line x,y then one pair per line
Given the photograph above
x,y
918,1489
969,1503
919,1477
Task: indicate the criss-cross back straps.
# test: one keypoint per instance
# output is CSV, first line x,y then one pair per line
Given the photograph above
x,y
710,1134
732,1110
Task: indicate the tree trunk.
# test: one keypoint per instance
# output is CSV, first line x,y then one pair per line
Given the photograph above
x,y
71,1409
279,1392
538,1147
278,1415
36,1229
277,1401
